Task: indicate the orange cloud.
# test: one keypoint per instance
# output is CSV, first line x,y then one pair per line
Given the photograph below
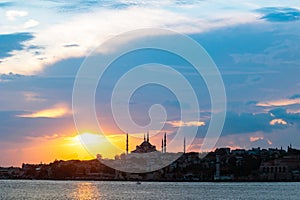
x,y
269,142
182,123
31,96
59,110
297,111
278,121
282,102
254,139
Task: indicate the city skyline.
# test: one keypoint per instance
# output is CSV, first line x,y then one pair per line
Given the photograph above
x,y
44,43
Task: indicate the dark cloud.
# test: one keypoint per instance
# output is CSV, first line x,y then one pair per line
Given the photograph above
x,y
51,89
5,4
188,2
295,96
251,103
9,77
10,42
247,123
279,14
83,5
122,5
252,59
71,45
169,103
243,123
222,44
254,79
293,118
19,129
17,82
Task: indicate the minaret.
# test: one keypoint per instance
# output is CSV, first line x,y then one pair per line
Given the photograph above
x,y
217,175
147,136
184,145
162,145
144,137
126,143
165,142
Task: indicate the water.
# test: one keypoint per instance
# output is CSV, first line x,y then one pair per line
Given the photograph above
x,y
84,190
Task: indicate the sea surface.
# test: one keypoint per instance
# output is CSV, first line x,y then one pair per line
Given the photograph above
x,y
83,190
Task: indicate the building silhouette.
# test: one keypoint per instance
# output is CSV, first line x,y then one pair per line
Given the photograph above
x,y
146,146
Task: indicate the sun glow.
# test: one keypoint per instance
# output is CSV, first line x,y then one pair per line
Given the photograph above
x,y
68,145
87,138
95,144
57,111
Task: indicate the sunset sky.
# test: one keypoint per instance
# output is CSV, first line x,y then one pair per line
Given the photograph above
x,y
255,44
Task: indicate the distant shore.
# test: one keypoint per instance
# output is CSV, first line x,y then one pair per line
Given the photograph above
x,y
164,181
222,165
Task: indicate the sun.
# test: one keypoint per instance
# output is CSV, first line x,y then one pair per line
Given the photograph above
x,y
88,139
94,144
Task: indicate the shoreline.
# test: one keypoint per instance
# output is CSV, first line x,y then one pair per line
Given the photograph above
x,y
171,181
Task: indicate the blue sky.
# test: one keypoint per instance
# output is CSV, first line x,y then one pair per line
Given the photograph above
x,y
255,44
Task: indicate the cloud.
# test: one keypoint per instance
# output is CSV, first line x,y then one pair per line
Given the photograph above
x,y
71,45
242,141
181,123
14,14
278,121
260,142
251,102
269,142
5,4
32,96
267,122
295,96
255,138
83,5
293,111
278,103
276,47
9,77
89,30
31,23
19,129
283,52
242,123
34,93
279,14
283,113
57,111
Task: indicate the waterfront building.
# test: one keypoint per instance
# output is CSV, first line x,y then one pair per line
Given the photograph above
x,y
146,146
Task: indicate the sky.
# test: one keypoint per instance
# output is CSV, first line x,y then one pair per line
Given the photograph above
x,y
254,44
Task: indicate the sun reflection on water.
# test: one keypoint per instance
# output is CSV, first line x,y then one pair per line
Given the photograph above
x,y
86,191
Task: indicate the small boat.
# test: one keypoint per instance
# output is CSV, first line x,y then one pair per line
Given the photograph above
x,y
138,183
